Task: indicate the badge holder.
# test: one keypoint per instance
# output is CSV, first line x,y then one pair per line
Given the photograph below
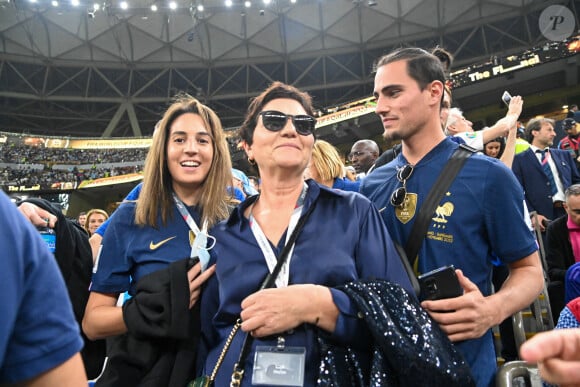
x,y
279,365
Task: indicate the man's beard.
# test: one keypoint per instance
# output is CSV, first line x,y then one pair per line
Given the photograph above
x,y
392,135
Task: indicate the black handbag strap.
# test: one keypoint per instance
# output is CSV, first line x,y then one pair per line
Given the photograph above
x,y
446,177
268,283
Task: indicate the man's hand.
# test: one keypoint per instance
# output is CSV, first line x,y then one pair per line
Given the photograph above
x,y
37,216
557,354
466,317
516,105
543,222
514,110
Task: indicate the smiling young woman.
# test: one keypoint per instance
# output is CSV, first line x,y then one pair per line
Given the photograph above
x,y
184,194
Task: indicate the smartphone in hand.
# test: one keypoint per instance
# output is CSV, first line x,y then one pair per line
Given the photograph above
x,y
439,284
506,98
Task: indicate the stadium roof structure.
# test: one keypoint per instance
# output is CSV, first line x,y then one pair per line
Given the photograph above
x,y
100,69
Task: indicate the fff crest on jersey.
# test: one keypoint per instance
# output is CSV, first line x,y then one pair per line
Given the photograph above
x,y
443,211
406,211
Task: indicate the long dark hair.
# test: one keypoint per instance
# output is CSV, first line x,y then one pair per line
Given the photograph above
x,y
501,141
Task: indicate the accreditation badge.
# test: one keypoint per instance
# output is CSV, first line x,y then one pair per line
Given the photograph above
x,y
279,366
406,211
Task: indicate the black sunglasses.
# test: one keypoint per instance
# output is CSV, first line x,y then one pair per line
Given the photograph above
x,y
275,121
400,194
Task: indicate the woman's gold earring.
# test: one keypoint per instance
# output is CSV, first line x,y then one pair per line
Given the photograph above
x,y
251,161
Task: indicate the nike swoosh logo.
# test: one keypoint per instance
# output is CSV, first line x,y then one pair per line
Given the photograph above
x,y
155,246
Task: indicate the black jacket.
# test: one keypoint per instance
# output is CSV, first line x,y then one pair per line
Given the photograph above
x,y
559,257
559,254
160,346
75,261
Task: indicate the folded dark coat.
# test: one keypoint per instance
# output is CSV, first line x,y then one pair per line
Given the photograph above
x,y
160,346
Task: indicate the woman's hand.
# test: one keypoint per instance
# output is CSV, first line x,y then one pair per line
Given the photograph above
x,y
275,310
196,280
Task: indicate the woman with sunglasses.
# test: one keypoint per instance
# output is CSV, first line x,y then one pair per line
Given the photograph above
x,y
342,240
183,195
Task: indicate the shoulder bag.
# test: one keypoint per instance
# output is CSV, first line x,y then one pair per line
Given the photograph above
x,y
443,182
238,371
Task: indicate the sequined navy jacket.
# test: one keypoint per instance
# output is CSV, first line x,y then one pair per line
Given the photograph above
x,y
409,349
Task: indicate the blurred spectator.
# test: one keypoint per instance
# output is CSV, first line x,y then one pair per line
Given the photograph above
x,y
254,182
22,154
494,148
53,168
521,143
572,109
95,218
570,141
82,218
563,247
458,125
572,282
350,173
97,237
241,181
363,155
544,173
570,314
327,169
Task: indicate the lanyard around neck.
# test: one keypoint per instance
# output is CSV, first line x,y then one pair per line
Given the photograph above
x,y
199,246
264,244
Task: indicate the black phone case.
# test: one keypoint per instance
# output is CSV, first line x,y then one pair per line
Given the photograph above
x,y
439,284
